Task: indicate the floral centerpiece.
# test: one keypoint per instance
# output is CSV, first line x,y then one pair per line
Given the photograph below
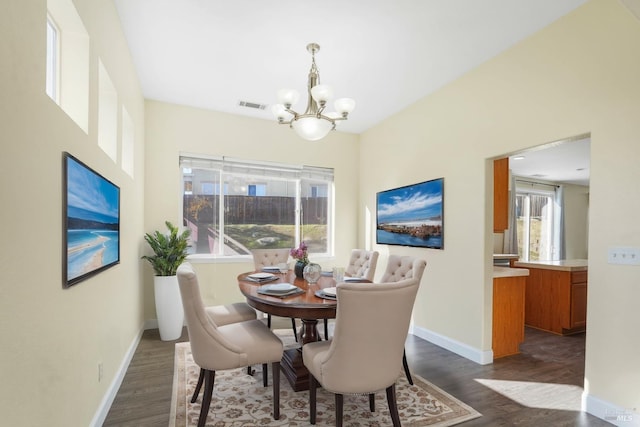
x,y
301,255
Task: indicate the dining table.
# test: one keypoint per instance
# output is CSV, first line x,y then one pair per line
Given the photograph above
x,y
308,303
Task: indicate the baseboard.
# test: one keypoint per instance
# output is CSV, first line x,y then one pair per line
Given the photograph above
x,y
461,349
112,391
609,412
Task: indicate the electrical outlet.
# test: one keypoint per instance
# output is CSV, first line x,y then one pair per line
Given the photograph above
x,y
624,255
100,371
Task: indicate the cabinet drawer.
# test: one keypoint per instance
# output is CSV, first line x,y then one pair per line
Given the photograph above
x,y
579,277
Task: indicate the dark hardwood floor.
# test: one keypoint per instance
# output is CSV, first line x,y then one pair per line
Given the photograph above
x,y
144,399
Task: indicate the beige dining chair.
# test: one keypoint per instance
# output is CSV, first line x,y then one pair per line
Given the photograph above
x,y
269,258
362,264
225,315
401,268
215,348
370,329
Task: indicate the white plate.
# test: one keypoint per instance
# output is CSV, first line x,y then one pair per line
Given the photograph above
x,y
279,287
352,279
261,276
330,291
271,268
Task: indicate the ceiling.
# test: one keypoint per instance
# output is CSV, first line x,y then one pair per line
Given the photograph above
x,y
564,162
213,54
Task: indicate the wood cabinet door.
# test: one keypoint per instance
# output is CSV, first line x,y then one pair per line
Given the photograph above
x,y
500,195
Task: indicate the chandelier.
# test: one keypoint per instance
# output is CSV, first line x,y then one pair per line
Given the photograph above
x,y
314,124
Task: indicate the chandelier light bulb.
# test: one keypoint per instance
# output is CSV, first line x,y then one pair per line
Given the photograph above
x,y
344,106
280,112
311,128
288,97
321,94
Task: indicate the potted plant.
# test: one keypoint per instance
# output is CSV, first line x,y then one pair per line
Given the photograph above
x,y
169,251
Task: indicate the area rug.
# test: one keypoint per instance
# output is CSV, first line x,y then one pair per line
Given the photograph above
x,y
241,400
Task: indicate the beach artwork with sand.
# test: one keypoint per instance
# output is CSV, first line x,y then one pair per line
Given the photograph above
x,y
93,205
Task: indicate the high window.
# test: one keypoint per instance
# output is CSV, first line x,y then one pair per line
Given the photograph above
x,y
535,224
67,61
53,53
233,206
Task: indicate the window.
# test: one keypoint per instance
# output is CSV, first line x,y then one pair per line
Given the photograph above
x,y
67,61
107,113
233,206
535,224
53,53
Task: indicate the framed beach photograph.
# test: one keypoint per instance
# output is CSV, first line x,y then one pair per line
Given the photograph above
x,y
91,222
411,215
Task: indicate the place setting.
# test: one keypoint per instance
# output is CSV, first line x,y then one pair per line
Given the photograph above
x,y
327,293
280,290
261,277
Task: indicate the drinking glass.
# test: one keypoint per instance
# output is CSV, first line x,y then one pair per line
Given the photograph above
x,y
338,274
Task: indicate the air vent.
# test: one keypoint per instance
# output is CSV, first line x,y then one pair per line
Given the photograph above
x,y
254,105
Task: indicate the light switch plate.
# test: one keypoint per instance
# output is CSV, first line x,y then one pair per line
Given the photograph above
x,y
624,255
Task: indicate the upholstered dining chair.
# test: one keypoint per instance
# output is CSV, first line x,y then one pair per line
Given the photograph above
x,y
215,348
269,258
225,315
371,320
361,264
401,268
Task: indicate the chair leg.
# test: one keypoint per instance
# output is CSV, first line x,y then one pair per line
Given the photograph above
x,y
275,373
206,400
339,405
326,329
250,371
393,406
406,367
293,325
198,386
313,384
372,402
269,321
265,375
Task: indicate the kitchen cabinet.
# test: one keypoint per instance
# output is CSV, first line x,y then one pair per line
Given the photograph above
x,y
500,195
508,311
556,295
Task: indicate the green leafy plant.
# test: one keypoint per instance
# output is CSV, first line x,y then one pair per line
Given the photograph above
x,y
170,250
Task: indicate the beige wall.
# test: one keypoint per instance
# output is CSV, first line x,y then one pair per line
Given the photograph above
x,y
171,129
576,76
576,210
53,338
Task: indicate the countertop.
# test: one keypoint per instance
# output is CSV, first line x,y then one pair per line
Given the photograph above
x,y
562,265
499,272
505,256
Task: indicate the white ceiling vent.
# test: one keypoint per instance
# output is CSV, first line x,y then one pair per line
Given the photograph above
x,y
254,105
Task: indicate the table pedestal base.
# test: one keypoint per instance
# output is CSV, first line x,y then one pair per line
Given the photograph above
x,y
294,370
292,365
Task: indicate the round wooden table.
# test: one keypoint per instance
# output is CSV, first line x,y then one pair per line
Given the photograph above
x,y
305,306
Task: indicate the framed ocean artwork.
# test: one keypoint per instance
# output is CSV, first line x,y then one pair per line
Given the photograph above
x,y
91,222
411,215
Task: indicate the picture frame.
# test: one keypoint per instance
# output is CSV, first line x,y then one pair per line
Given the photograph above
x,y
91,218
412,215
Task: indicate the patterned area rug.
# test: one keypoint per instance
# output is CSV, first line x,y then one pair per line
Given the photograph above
x,y
241,400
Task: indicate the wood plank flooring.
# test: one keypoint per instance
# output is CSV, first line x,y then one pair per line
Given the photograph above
x,y
144,399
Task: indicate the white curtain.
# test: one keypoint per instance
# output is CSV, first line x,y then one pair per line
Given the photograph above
x,y
558,234
510,242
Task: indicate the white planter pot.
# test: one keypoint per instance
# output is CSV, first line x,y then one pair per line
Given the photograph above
x,y
169,309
